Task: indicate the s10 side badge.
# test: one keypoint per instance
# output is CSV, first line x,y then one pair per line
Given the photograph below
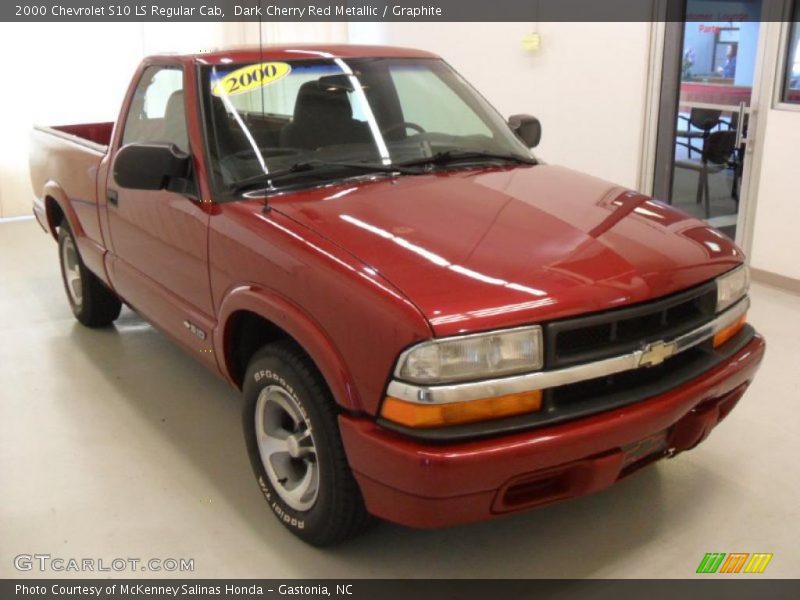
x,y
194,329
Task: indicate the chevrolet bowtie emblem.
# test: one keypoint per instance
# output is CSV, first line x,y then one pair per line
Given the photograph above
x,y
656,353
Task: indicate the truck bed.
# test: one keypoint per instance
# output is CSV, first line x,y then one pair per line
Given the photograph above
x,y
64,162
90,134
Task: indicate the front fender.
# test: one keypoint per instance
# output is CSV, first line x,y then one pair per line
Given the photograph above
x,y
298,324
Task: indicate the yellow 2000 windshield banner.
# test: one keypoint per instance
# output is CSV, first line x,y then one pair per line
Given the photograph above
x,y
249,78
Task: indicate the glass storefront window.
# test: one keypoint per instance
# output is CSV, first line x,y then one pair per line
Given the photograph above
x,y
718,65
791,81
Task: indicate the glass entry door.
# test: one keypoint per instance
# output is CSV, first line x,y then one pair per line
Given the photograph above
x,y
702,155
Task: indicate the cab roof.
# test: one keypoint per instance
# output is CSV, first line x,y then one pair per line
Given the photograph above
x,y
295,52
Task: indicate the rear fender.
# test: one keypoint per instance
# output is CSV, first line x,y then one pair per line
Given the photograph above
x,y
91,251
53,192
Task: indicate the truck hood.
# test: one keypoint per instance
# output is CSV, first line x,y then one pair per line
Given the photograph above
x,y
500,247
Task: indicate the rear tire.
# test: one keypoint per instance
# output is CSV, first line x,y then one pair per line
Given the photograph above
x,y
92,303
292,435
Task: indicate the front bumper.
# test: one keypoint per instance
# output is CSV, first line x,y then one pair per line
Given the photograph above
x,y
422,484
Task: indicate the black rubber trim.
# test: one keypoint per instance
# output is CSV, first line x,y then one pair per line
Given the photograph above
x,y
608,317
709,358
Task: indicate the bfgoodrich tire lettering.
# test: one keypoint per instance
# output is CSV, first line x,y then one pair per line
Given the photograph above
x,y
308,483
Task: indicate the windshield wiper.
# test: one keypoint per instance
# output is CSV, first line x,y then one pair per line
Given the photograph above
x,y
312,167
452,156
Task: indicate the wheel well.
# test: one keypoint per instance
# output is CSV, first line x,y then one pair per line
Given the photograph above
x,y
55,216
246,333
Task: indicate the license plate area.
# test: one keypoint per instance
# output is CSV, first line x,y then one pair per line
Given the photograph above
x,y
653,446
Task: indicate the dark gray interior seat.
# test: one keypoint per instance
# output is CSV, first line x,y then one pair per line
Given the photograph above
x,y
323,117
174,130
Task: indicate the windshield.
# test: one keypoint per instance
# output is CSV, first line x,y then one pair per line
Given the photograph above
x,y
268,118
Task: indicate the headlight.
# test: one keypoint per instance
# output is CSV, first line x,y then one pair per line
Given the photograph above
x,y
732,287
469,357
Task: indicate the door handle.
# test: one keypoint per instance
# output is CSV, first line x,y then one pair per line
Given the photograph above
x,y
113,198
740,124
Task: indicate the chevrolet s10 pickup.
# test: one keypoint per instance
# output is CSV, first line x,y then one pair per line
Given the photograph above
x,y
428,324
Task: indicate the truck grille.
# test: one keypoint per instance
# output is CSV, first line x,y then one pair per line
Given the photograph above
x,y
627,383
603,335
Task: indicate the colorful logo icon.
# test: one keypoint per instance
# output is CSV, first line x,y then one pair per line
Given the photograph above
x,y
736,562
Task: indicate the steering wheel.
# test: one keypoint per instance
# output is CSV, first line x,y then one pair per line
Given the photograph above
x,y
404,125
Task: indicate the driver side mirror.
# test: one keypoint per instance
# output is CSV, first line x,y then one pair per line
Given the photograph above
x,y
150,166
527,128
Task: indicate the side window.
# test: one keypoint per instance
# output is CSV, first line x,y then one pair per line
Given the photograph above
x,y
156,113
431,104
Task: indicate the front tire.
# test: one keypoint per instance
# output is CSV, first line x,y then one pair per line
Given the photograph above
x,y
292,435
92,303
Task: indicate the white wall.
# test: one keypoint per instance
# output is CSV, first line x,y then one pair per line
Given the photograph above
x,y
240,33
79,72
775,240
72,73
60,77
587,83
776,243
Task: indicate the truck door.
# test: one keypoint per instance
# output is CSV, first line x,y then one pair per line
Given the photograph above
x,y
159,239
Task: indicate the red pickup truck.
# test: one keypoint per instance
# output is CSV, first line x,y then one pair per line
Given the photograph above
x,y
428,324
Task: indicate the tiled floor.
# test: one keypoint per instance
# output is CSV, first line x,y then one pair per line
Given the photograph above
x,y
116,443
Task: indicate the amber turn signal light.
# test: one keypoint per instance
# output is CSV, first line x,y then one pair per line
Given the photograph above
x,y
723,335
411,414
